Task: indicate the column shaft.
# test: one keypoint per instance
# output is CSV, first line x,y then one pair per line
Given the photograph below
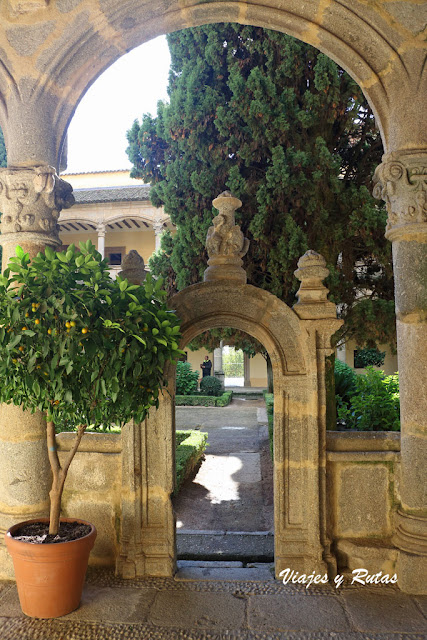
x,y
401,180
30,200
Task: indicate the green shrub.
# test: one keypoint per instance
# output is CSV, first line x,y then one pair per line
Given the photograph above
x,y
375,403
200,400
186,379
210,386
269,404
190,447
224,399
345,382
368,357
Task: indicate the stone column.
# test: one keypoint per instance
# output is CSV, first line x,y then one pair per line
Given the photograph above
x,y
101,238
401,180
217,364
31,199
158,232
319,317
246,370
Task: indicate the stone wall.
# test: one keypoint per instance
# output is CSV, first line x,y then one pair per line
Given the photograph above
x,y
362,491
93,489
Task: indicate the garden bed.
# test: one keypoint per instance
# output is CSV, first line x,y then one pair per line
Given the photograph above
x,y
197,400
190,448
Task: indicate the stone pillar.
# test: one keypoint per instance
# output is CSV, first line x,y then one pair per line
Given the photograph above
x,y
246,370
217,364
401,180
319,317
31,199
101,239
158,232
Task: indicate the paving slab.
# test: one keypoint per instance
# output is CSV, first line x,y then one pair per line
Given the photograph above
x,y
207,610
169,609
376,610
297,613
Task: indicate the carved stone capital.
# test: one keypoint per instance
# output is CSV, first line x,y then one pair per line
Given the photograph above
x,y
158,227
401,181
225,242
133,268
31,199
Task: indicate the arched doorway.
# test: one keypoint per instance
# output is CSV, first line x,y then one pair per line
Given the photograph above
x,y
297,342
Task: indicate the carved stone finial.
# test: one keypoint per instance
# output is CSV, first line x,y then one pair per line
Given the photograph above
x,y
313,295
31,199
133,268
225,242
401,181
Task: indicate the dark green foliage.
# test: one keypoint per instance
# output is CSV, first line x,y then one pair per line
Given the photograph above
x,y
269,403
79,346
189,452
368,358
186,379
3,156
290,133
375,404
210,386
345,381
200,400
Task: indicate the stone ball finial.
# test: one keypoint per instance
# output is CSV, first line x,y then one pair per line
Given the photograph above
x,y
225,242
133,268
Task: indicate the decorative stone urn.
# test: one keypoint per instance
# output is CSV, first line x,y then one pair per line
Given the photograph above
x,y
225,243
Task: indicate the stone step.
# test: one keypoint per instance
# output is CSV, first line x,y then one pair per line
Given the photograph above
x,y
255,546
188,570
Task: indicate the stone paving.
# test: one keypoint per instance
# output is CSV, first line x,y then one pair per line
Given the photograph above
x,y
226,609
222,600
233,489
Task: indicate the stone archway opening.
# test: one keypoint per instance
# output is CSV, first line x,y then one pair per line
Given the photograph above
x,y
297,341
225,509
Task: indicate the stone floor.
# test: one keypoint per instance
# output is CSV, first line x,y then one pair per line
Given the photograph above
x,y
198,607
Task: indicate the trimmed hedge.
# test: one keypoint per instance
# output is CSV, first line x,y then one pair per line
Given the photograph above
x,y
204,401
190,447
269,403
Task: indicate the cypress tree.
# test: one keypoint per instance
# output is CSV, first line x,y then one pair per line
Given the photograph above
x,y
289,133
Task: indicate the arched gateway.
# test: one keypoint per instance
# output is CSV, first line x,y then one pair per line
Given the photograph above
x,y
297,342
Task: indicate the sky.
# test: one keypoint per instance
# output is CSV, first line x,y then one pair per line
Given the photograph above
x,y
124,92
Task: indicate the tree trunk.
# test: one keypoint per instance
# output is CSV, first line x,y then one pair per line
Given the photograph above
x,y
331,406
55,507
270,388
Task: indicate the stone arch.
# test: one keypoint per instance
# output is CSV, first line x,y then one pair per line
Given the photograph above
x,y
371,44
296,347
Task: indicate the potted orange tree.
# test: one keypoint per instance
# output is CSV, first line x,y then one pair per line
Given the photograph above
x,y
82,349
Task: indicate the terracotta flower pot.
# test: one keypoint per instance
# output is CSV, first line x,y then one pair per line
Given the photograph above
x,y
50,577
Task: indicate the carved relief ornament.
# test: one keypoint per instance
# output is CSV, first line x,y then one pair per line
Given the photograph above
x,y
31,199
401,181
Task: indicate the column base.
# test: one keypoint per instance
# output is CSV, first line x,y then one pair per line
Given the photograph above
x,y
411,540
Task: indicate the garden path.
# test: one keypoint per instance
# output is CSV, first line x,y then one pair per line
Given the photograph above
x,y
233,489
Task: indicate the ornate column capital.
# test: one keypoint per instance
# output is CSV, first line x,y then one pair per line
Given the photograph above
x,y
401,181
31,199
158,226
225,242
100,229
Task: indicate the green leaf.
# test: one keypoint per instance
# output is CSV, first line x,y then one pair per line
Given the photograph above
x,y
68,396
49,253
123,285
